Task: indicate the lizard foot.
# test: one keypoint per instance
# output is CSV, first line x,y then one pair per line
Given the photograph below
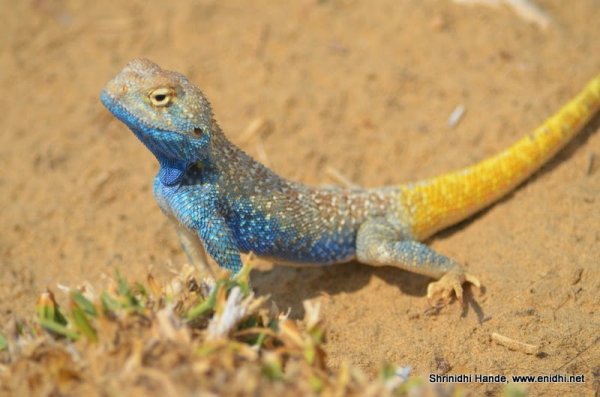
x,y
441,291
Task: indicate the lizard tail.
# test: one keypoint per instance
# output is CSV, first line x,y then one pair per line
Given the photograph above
x,y
436,203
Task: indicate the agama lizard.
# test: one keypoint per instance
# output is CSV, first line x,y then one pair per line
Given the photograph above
x,y
223,202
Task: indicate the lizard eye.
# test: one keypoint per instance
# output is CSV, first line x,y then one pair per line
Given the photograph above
x,y
161,97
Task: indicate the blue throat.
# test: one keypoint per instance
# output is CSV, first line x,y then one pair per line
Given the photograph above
x,y
175,152
172,167
171,172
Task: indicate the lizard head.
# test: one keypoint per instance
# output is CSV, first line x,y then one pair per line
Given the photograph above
x,y
166,112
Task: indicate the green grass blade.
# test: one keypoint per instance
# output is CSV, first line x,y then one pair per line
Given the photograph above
x,y
81,322
58,328
3,342
109,304
207,304
82,302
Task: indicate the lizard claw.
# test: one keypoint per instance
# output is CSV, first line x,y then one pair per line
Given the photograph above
x,y
441,291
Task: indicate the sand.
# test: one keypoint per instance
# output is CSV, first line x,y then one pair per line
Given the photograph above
x,y
362,89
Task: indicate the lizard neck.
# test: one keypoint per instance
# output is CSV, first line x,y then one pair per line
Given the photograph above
x,y
176,153
234,166
214,155
172,165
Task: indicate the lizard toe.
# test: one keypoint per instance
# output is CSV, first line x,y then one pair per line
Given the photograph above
x,y
441,291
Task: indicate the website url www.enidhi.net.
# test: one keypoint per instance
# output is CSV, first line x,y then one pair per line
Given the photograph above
x,y
488,378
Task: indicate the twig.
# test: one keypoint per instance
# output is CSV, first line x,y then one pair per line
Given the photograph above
x,y
514,344
456,116
591,168
525,9
339,177
260,126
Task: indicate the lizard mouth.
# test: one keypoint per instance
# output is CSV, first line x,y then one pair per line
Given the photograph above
x,y
135,123
121,111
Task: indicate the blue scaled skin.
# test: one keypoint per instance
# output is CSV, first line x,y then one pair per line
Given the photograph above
x,y
212,189
190,186
222,202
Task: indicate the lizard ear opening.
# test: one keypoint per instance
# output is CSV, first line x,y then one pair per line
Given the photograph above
x,y
197,132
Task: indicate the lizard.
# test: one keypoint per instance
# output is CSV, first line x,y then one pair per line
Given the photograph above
x,y
224,203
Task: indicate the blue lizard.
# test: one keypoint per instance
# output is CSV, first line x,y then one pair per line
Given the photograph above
x,y
223,202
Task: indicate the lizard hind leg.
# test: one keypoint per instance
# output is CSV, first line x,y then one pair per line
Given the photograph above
x,y
381,242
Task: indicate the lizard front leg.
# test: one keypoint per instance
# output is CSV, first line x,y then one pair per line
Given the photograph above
x,y
193,248
202,228
379,243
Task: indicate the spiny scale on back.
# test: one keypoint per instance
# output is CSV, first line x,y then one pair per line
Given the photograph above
x,y
223,202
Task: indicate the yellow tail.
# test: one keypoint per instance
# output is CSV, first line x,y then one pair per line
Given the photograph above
x,y
442,201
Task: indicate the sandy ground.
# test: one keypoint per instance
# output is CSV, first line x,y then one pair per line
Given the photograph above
x,y
364,89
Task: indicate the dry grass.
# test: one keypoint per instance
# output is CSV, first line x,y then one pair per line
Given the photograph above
x,y
184,337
